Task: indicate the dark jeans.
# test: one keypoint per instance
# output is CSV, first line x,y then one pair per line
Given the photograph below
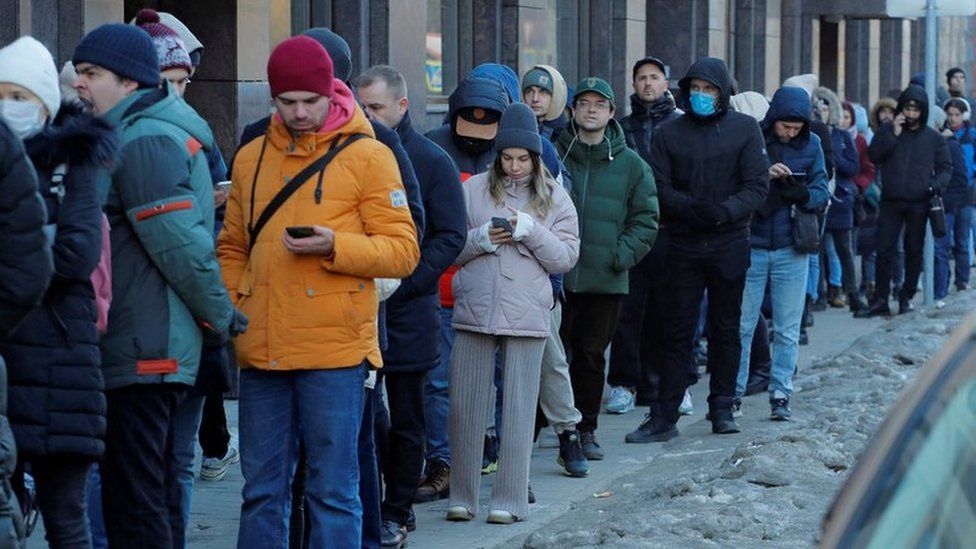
x,y
842,244
141,496
400,439
589,322
694,266
60,482
214,436
892,217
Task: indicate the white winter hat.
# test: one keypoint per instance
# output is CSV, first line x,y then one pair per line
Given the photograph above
x,y
27,63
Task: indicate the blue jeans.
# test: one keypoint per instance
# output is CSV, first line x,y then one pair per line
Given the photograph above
x,y
956,244
833,261
184,429
437,395
96,519
325,409
813,277
369,485
785,271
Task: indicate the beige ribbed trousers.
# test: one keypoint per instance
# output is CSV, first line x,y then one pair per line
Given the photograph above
x,y
472,376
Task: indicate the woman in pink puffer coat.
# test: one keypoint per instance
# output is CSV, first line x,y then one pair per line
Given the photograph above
x,y
522,227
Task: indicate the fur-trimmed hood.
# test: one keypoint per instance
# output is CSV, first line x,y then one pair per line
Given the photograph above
x,y
833,102
76,138
883,103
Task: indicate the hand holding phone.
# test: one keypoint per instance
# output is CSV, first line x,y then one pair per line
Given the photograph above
x,y
300,232
502,223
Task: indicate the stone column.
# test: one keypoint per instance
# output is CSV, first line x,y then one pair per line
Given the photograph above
x,y
407,43
681,32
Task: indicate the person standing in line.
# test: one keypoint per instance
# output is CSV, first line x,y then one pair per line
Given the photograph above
x,y
775,263
631,375
840,222
413,311
522,227
616,198
959,200
915,166
544,90
305,360
161,237
712,169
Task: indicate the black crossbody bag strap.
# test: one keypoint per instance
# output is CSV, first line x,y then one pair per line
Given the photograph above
x,y
295,183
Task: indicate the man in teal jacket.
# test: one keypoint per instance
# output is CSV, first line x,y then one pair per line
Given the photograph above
x,y
166,283
616,200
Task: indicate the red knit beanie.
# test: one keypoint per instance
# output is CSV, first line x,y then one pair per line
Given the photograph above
x,y
300,64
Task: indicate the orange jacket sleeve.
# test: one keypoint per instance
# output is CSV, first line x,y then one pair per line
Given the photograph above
x,y
232,252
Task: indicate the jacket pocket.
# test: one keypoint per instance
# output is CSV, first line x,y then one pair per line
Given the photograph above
x,y
324,301
244,288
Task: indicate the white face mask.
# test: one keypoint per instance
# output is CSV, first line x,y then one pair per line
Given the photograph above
x,y
22,117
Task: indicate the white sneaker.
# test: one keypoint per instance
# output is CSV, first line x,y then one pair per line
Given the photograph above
x,y
621,400
216,468
686,408
459,513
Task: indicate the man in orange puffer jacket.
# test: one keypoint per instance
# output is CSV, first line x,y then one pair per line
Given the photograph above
x,y
310,298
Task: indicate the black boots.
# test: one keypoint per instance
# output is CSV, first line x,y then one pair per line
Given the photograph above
x,y
856,302
878,308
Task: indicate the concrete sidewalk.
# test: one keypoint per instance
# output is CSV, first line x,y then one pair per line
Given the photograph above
x,y
216,505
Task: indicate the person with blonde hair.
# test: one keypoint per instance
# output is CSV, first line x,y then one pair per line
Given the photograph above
x,y
522,227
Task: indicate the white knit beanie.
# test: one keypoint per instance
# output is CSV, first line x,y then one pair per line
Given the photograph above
x,y
27,63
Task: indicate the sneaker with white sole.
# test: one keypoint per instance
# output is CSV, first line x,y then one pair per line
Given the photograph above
x,y
621,401
459,513
214,469
686,408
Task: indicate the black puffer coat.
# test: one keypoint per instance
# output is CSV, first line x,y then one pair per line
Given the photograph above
x,y
57,401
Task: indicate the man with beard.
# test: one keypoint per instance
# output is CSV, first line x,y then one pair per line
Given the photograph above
x,y
631,375
915,166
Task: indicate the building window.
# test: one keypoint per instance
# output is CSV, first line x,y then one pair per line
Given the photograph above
x,y
442,51
537,36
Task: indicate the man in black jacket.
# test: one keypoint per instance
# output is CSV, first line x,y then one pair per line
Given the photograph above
x,y
915,166
413,324
712,172
632,374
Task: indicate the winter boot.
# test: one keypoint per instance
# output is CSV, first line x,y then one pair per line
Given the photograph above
x,y
652,429
905,305
835,298
808,313
856,302
878,308
571,455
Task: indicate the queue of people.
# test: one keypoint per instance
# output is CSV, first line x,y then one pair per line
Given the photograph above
x,y
410,311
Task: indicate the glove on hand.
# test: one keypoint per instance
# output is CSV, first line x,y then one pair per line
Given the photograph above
x,y
238,324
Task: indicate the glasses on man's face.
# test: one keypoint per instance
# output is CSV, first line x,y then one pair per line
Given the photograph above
x,y
585,104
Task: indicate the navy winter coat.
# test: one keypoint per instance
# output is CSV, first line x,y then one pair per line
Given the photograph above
x,y
412,313
772,226
25,269
959,191
840,215
57,400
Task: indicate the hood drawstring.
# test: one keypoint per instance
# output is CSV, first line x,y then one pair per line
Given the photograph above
x,y
570,147
609,147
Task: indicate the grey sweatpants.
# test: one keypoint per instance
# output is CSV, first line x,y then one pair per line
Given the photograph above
x,y
472,375
556,396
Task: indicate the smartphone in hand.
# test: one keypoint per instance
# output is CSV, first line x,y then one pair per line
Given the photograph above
x,y
502,223
300,232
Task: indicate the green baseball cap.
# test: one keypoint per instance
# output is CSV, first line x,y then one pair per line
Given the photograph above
x,y
595,85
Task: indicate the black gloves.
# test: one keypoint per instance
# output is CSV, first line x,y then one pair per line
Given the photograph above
x,y
710,213
793,191
238,324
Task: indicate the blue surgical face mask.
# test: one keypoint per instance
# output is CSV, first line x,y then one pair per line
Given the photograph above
x,y
702,103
